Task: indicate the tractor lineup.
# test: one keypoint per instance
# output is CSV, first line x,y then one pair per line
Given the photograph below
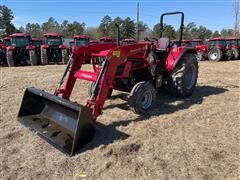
x,y
215,49
21,49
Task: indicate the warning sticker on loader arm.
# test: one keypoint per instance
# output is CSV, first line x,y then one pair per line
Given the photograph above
x,y
116,54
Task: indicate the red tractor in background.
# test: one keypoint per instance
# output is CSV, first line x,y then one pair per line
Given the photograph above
x,y
195,43
78,40
202,50
2,53
71,44
186,43
93,41
218,50
128,41
7,41
140,69
3,48
81,40
234,44
20,51
53,50
36,42
106,40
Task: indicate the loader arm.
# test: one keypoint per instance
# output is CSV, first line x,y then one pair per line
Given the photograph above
x,y
80,54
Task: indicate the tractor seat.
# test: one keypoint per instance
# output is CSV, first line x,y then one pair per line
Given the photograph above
x,y
163,44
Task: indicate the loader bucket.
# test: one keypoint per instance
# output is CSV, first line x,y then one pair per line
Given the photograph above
x,y
66,125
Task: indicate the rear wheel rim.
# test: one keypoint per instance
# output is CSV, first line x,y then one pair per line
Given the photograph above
x,y
214,55
190,76
146,100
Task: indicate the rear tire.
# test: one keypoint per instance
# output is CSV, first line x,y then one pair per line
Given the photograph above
x,y
44,59
142,97
184,76
235,53
33,57
64,56
215,55
10,60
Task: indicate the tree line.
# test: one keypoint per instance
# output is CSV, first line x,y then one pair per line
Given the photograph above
x,y
128,28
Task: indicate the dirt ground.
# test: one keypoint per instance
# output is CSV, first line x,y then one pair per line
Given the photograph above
x,y
195,138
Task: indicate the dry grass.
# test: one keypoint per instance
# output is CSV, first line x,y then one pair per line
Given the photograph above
x,y
195,138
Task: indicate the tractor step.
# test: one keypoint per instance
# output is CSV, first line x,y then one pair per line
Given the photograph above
x,y
67,126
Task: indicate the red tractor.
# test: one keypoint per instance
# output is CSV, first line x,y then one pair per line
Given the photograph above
x,y
107,39
202,50
21,51
71,44
92,41
7,41
234,44
36,42
3,47
218,50
2,53
128,41
186,43
81,40
140,69
53,50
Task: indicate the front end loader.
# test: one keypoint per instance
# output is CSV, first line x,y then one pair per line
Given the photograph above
x,y
139,69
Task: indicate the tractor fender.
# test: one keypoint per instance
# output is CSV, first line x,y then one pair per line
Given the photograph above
x,y
175,55
30,47
10,48
62,47
44,46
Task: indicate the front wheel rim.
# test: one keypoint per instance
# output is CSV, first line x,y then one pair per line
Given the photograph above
x,y
214,56
146,100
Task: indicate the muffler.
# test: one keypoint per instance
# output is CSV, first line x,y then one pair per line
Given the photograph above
x,y
66,125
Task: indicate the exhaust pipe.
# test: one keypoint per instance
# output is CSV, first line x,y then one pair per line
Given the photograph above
x,y
118,34
66,125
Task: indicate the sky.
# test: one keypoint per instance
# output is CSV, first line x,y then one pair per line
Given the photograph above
x,y
214,14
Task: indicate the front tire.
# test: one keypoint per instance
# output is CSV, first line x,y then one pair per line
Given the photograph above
x,y
215,55
64,56
199,56
44,59
10,60
235,53
33,57
142,97
184,76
